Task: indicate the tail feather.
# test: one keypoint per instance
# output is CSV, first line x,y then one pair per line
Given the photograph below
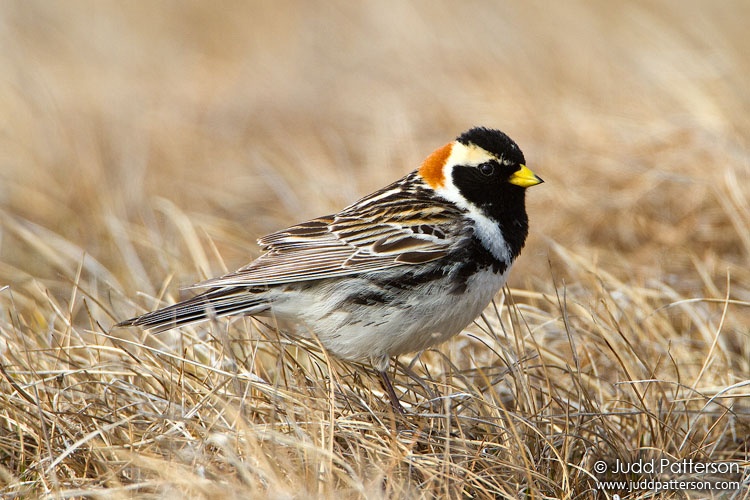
x,y
211,304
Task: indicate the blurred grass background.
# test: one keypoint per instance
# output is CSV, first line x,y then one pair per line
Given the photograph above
x,y
145,146
265,114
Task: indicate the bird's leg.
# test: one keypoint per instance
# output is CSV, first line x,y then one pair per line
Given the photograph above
x,y
395,403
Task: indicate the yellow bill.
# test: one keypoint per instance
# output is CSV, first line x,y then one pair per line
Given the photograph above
x,y
524,177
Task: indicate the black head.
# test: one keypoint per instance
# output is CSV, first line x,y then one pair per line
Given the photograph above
x,y
489,171
494,142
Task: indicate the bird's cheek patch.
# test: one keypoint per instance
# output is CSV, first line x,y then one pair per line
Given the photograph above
x,y
432,168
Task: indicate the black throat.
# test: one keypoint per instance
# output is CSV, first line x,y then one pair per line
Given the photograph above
x,y
510,215
502,202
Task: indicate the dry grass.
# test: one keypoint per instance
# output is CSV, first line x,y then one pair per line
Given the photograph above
x,y
145,147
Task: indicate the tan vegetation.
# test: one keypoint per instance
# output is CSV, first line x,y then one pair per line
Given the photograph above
x,y
145,147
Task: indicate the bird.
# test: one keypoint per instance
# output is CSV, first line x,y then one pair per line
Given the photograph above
x,y
398,271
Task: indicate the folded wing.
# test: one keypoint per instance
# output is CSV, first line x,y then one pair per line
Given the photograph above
x,y
399,229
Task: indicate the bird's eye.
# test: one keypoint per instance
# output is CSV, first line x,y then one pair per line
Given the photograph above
x,y
487,169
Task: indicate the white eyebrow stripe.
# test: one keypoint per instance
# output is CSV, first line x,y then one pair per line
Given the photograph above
x,y
470,156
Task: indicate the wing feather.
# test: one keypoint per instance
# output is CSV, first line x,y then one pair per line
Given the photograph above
x,y
404,227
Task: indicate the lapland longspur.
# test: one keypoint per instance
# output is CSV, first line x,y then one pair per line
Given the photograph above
x,y
400,270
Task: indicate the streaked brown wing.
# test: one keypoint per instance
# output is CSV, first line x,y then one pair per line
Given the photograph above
x,y
397,230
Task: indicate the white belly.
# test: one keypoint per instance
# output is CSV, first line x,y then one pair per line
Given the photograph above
x,y
428,316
